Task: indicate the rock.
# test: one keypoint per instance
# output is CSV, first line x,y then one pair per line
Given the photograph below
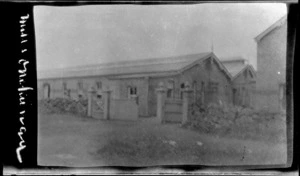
x,y
199,143
172,143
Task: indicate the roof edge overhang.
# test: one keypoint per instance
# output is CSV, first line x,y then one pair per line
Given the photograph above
x,y
209,55
275,25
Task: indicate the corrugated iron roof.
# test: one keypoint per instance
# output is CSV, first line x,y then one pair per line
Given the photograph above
x,y
234,69
152,65
236,65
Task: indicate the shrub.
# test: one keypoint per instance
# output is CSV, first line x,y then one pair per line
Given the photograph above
x,y
63,105
234,121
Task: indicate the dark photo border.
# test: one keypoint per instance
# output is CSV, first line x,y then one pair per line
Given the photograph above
x,y
20,120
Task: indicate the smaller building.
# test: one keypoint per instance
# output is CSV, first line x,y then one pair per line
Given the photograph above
x,y
243,81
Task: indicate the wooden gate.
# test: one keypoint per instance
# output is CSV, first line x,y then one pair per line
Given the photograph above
x,y
173,110
97,107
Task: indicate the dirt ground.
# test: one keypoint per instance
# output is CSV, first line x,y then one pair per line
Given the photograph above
x,y
68,140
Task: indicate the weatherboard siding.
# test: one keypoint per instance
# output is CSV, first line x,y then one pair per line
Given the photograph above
x,y
198,73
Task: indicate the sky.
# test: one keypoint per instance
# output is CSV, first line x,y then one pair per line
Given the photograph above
x,y
82,35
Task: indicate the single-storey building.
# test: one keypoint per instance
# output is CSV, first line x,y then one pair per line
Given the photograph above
x,y
139,79
243,81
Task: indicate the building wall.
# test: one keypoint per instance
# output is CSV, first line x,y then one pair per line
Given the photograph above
x,y
141,85
244,86
57,88
198,74
271,68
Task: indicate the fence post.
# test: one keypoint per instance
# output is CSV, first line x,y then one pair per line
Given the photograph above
x,y
160,101
91,91
185,106
106,96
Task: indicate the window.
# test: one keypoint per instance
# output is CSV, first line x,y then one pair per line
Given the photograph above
x,y
195,86
132,91
202,92
99,85
208,64
202,86
246,74
214,86
250,74
195,90
65,89
182,86
46,89
64,85
181,91
170,88
80,85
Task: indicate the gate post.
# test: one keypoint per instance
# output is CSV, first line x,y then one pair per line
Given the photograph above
x,y
106,96
91,91
185,106
160,101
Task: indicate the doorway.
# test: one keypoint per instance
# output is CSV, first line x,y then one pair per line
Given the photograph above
x,y
46,90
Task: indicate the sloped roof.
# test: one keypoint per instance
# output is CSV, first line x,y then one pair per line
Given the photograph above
x,y
152,65
234,69
249,67
278,23
236,65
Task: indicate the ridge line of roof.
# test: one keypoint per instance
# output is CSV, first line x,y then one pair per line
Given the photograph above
x,y
128,62
181,60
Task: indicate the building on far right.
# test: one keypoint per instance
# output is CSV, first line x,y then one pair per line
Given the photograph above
x,y
271,67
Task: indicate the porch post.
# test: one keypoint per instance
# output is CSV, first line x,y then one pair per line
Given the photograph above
x,y
186,100
161,90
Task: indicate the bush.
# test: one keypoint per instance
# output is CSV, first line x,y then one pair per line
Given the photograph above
x,y
63,105
234,121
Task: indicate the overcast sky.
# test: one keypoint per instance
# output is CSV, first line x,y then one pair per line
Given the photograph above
x,y
82,35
